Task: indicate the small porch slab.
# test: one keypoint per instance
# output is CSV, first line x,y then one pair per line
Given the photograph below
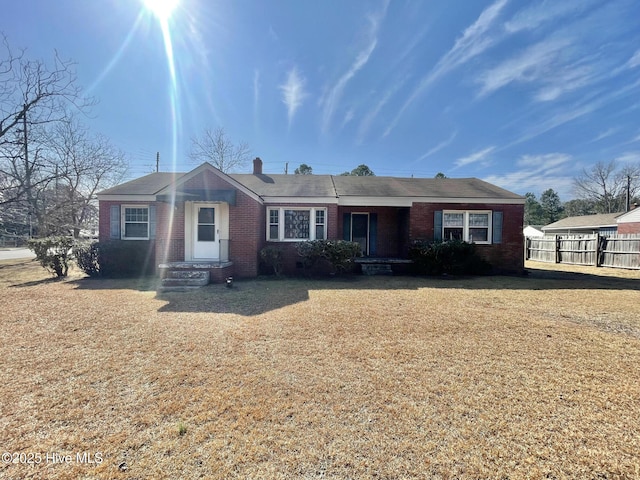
x,y
380,266
181,276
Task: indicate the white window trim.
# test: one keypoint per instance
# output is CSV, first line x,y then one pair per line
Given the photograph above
x,y
466,228
312,223
123,216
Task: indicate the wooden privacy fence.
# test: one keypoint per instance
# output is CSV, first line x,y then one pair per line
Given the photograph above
x,y
617,251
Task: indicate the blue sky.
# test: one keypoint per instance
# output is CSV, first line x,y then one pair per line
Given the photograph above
x,y
524,94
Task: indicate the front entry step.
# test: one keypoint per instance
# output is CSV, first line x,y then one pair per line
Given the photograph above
x,y
376,269
181,280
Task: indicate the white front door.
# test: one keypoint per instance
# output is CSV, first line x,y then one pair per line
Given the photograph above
x,y
206,244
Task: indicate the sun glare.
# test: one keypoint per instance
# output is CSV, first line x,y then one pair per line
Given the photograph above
x,y
161,8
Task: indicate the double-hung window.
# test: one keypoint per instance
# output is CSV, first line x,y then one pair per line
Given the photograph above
x,y
470,226
290,224
135,222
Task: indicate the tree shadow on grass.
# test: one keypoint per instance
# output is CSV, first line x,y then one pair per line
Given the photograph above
x,y
263,294
142,284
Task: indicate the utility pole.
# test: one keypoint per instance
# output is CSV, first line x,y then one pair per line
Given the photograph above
x,y
628,193
157,162
286,168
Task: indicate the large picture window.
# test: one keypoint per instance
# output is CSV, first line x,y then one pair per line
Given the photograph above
x,y
295,224
135,221
471,226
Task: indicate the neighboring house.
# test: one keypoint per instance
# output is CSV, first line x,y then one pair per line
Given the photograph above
x,y
220,222
629,223
602,223
533,231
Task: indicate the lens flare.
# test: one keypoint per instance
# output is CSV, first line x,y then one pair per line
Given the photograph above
x,y
161,8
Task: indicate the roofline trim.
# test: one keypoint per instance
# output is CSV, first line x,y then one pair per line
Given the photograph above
x,y
313,200
126,197
367,201
577,227
206,166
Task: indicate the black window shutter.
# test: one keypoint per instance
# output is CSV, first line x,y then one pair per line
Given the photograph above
x,y
437,225
373,234
114,221
152,222
346,226
497,227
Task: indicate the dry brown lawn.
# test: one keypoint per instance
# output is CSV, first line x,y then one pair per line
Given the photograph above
x,y
384,377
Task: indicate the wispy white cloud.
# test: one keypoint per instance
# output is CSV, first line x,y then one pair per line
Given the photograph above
x,y
546,65
533,17
293,93
604,134
474,157
369,118
348,116
536,173
438,147
256,92
634,61
547,162
629,157
566,114
331,99
474,41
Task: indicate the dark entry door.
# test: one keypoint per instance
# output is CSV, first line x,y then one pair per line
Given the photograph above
x,y
360,231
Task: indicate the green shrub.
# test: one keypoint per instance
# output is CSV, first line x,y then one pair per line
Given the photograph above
x,y
338,253
272,258
453,257
122,258
86,255
53,253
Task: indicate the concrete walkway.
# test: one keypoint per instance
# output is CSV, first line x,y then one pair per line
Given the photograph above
x,y
15,253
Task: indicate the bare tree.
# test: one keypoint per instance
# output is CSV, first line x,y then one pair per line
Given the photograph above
x,y
50,167
215,147
33,95
35,91
606,185
85,164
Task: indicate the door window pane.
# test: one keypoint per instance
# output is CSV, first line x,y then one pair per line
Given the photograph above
x,y
206,233
206,215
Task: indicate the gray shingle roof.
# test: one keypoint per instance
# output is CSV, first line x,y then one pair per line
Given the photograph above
x,y
147,185
419,187
328,186
585,221
281,185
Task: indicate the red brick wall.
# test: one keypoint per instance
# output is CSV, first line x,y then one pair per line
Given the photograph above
x,y
507,256
169,232
246,233
104,227
629,228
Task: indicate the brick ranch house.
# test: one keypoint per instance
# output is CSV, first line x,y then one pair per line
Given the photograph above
x,y
219,222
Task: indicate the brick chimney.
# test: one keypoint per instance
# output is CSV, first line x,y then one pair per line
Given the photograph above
x,y
257,166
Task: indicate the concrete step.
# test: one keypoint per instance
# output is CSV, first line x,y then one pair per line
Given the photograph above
x,y
188,274
376,269
182,280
